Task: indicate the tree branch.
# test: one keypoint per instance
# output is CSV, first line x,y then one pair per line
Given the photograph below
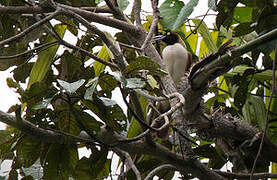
x,y
30,51
91,16
129,161
31,129
246,176
155,171
40,10
153,25
136,9
184,164
267,113
229,59
30,28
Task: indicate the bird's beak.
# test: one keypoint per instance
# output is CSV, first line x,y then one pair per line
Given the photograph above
x,y
159,37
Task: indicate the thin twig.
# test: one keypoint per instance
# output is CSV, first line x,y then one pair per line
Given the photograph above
x,y
29,51
192,32
158,169
246,175
175,107
267,113
129,162
136,138
130,46
154,98
87,53
137,9
40,10
92,28
30,28
153,25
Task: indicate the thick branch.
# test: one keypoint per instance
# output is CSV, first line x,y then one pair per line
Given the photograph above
x,y
91,16
184,164
229,59
32,130
40,10
84,12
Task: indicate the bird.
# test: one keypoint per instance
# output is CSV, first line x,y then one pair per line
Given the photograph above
x,y
175,54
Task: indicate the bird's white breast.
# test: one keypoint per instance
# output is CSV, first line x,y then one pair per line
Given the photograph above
x,y
175,57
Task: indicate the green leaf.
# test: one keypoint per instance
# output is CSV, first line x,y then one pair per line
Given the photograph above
x,y
225,13
105,54
35,171
71,87
67,121
144,63
89,92
107,101
134,128
135,83
243,29
170,10
43,104
96,166
5,136
262,76
108,83
254,111
22,72
274,169
122,4
206,35
45,58
243,14
28,151
184,14
99,67
60,161
90,122
212,4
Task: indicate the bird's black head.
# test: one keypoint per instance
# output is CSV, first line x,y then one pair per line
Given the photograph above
x,y
169,38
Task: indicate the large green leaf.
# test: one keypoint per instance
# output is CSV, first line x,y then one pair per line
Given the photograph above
x,y
144,63
96,166
134,128
60,161
243,29
28,151
122,4
71,87
175,13
135,83
45,58
254,111
184,13
34,172
262,76
170,10
206,35
243,14
89,91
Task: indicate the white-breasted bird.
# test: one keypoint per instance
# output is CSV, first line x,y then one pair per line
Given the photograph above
x,y
175,55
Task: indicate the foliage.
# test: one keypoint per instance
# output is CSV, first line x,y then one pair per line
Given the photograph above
x,y
69,92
